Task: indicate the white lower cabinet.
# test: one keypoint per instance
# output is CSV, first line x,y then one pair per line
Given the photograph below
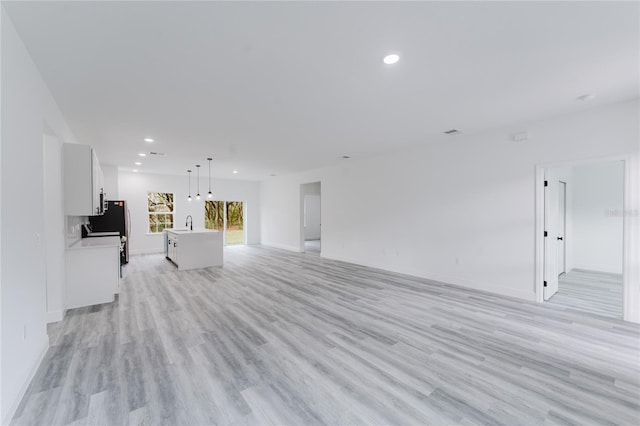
x,y
93,271
172,249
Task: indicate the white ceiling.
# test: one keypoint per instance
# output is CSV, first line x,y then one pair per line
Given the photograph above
x,y
280,87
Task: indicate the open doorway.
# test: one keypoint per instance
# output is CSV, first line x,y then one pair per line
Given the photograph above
x,y
310,226
583,237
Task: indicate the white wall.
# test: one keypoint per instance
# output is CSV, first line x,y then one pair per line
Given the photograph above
x,y
28,111
597,216
470,198
110,180
133,187
55,238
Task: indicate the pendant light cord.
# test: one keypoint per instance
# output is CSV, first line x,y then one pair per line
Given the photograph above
x,y
198,170
189,171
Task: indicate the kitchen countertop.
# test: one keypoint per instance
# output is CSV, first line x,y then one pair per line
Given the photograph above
x,y
188,231
99,242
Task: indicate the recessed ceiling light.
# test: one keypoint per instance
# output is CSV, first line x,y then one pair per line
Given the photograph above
x,y
137,163
135,170
586,97
142,154
148,140
391,59
452,132
235,172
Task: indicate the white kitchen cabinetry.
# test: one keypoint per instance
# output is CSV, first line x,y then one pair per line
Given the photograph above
x,y
93,271
83,181
172,249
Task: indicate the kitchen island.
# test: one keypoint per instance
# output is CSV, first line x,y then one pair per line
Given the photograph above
x,y
192,249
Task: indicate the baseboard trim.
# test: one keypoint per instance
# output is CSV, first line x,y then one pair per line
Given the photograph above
x,y
149,251
599,268
450,280
25,385
282,247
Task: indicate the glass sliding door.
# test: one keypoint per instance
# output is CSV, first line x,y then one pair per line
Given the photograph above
x,y
235,223
214,215
227,217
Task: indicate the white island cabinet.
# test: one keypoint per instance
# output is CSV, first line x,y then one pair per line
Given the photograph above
x,y
93,271
192,249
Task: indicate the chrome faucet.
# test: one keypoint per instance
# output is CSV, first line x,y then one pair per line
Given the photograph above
x,y
189,222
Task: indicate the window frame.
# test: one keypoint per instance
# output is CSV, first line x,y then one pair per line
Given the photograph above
x,y
157,213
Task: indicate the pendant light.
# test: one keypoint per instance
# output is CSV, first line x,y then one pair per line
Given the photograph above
x,y
189,198
198,170
209,195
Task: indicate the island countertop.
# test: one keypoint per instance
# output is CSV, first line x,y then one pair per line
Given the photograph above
x,y
183,231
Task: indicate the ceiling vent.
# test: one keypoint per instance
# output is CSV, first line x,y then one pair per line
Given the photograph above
x,y
160,154
452,132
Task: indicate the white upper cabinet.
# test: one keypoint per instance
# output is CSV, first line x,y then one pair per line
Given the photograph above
x,y
83,181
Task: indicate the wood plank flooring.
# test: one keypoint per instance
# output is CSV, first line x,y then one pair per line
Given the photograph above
x,y
596,292
279,338
312,247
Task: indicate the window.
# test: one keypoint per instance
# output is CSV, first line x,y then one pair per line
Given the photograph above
x,y
160,209
226,216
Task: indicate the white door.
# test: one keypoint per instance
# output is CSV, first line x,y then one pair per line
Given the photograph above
x,y
562,227
551,232
311,217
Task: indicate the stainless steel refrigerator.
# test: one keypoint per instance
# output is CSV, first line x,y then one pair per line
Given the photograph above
x,y
115,218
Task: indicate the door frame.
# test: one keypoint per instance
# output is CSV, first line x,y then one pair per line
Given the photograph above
x,y
630,243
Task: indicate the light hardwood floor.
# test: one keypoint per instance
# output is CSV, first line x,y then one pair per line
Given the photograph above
x,y
312,247
291,339
590,291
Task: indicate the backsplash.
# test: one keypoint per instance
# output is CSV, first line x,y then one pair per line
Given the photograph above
x,y
73,229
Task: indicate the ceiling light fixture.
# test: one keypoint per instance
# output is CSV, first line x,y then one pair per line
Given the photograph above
x,y
585,97
148,140
135,170
452,132
189,197
235,172
391,59
209,195
137,163
198,170
142,154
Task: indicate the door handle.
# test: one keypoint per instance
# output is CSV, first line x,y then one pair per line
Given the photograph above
x,y
559,238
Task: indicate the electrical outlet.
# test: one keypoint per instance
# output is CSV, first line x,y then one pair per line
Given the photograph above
x,y
37,239
458,261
